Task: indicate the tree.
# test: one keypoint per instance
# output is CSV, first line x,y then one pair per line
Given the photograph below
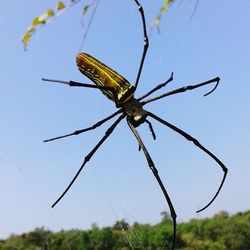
x,y
221,232
121,225
166,218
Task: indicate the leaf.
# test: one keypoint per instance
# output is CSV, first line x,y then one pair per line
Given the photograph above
x,y
36,21
50,13
47,16
60,6
85,9
26,37
163,9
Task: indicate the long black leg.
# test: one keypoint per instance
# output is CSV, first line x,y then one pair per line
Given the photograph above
x,y
151,130
185,88
76,84
84,85
155,172
196,142
157,88
146,42
89,155
77,132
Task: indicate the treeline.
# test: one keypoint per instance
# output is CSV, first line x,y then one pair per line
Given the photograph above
x,y
221,232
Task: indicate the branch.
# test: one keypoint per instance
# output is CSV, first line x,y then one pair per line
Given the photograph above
x,y
48,16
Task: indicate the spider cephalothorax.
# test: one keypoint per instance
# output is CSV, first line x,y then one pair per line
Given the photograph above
x,y
135,112
121,92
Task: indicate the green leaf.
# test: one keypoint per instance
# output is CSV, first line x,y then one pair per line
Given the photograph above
x,y
50,13
163,9
60,6
26,37
36,21
44,18
85,9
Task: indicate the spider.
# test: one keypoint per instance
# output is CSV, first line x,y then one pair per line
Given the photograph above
x,y
121,92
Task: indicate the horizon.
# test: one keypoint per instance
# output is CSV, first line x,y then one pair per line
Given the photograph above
x,y
95,225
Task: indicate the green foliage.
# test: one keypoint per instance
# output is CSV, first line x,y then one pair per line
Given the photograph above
x,y
166,218
60,6
85,9
34,240
37,21
163,9
121,225
221,232
48,16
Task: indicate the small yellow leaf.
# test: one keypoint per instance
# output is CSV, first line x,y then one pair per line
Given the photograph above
x,y
60,6
36,21
26,38
50,13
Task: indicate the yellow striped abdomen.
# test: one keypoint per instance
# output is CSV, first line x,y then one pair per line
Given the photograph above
x,y
102,75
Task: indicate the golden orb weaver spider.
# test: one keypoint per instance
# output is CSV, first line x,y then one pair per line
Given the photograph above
x,y
121,92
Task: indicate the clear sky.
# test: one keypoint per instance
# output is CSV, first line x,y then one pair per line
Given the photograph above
x,y
117,183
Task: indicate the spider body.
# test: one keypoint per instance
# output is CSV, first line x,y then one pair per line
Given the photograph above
x,y
118,90
135,112
121,92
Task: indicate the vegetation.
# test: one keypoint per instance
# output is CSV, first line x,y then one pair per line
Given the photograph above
x,y
61,7
221,232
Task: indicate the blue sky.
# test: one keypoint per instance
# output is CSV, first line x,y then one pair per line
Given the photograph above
x,y
117,182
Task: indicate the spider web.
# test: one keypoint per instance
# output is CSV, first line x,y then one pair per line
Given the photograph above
x,y
129,234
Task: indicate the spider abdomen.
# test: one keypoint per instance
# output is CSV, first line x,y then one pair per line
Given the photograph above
x,y
102,75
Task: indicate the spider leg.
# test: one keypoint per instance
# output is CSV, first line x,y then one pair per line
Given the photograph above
x,y
157,87
152,132
77,132
89,155
85,85
151,128
184,89
76,84
196,142
146,42
155,172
